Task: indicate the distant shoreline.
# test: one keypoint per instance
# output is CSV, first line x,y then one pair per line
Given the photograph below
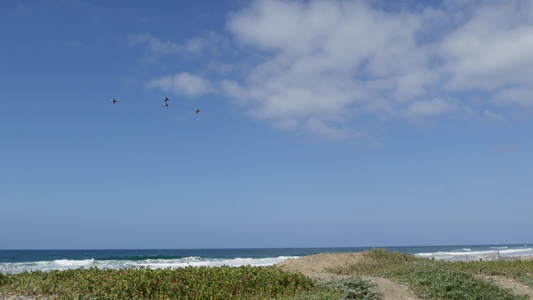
x,y
16,261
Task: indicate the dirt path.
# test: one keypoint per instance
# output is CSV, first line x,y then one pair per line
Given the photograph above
x,y
316,265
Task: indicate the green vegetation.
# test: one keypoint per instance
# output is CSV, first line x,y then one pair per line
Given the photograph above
x,y
352,288
225,282
518,269
438,279
427,278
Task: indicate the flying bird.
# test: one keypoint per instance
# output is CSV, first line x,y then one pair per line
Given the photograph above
x,y
165,104
166,99
197,111
113,100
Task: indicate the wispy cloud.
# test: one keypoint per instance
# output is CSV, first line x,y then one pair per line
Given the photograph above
x,y
429,108
521,96
492,117
492,49
329,59
157,48
318,65
182,83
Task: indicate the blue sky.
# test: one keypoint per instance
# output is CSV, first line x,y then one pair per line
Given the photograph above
x,y
321,124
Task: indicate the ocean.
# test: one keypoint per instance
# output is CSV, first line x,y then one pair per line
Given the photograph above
x,y
17,261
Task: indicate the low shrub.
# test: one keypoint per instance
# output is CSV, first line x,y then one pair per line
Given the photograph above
x,y
438,279
520,270
434,280
352,288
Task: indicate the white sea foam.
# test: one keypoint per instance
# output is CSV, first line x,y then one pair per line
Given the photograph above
x,y
493,253
64,264
70,262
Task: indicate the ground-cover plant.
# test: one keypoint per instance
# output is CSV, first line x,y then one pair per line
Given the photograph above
x,y
437,279
520,270
376,261
225,282
352,288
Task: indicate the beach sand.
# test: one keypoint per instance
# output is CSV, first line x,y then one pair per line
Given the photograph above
x,y
315,266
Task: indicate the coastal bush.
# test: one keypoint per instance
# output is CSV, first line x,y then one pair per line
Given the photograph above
x,y
352,288
439,279
224,282
520,270
4,275
376,261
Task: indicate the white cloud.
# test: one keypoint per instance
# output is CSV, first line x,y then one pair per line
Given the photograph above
x,y
492,49
521,96
429,108
493,117
327,57
324,65
316,125
233,90
156,47
182,83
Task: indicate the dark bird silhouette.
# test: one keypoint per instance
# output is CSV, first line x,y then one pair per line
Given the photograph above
x,y
197,111
113,100
165,104
166,99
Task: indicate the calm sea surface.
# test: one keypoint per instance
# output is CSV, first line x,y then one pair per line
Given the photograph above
x,y
16,261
